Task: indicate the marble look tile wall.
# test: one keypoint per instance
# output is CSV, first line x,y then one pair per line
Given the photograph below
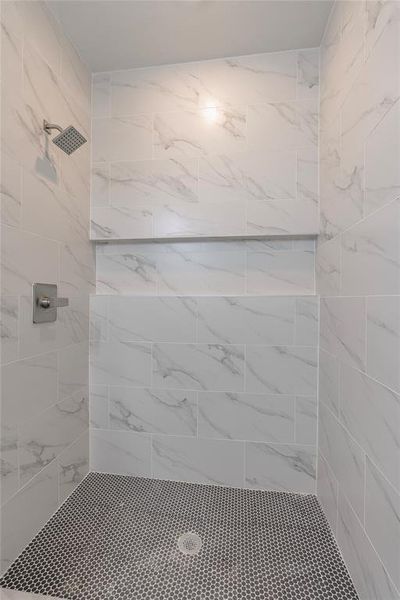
x,y
358,277
45,220
212,149
252,267
213,389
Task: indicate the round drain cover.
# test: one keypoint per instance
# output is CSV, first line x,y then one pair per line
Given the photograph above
x,y
189,543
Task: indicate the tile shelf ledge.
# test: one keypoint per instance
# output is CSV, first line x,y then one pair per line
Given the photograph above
x,y
203,238
7,594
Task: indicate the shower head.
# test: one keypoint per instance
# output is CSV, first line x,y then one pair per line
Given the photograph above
x,y
69,139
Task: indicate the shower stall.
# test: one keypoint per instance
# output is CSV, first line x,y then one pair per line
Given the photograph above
x,y
200,300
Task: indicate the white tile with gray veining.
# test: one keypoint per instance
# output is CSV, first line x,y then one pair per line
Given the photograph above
x,y
289,467
371,412
280,273
120,363
122,222
122,138
127,272
196,273
155,89
328,370
9,328
198,460
382,519
153,319
344,456
173,412
43,438
308,73
281,370
306,420
383,340
27,511
233,416
99,406
122,452
282,217
153,183
205,219
343,329
73,464
246,320
327,492
199,366
248,79
368,573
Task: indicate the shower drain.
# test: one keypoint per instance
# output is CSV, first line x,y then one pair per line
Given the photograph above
x,y
189,543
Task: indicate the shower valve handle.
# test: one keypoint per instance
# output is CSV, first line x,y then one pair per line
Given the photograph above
x,y
46,302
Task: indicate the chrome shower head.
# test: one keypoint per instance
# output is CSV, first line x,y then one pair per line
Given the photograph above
x,y
69,139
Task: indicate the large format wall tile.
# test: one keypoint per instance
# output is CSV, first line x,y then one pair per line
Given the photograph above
x,y
9,461
45,366
26,258
73,465
201,273
29,387
151,183
225,268
154,89
282,467
371,250
123,138
367,571
202,461
371,412
246,417
121,363
358,276
248,79
9,328
26,512
168,319
383,340
344,456
127,272
200,387
328,370
173,412
281,370
113,222
43,438
240,320
199,366
382,519
343,329
327,490
284,272
216,148
122,452
382,179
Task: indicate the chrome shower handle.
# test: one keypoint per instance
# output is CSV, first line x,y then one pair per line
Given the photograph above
x,y
46,302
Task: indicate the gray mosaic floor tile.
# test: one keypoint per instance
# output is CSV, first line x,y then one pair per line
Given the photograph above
x,y
118,538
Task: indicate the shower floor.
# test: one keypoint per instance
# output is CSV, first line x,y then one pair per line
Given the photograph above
x,y
116,538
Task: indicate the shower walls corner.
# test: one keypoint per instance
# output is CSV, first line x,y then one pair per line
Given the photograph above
x,y
213,359
358,278
45,215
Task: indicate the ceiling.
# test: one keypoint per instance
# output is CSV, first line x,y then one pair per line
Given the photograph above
x,y
123,34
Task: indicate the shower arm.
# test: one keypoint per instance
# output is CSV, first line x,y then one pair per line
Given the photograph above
x,y
49,126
